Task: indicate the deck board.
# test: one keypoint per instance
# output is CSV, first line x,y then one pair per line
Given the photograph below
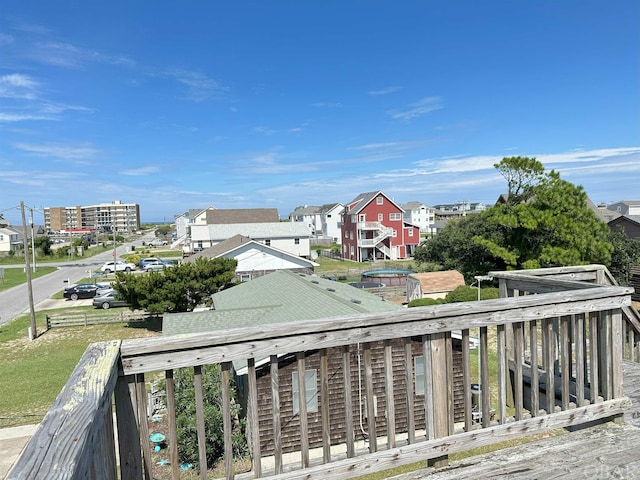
x,y
605,451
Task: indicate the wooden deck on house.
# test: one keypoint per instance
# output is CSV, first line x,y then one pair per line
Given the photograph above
x,y
609,450
573,323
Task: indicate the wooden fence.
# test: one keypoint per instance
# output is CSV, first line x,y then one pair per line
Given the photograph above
x,y
97,318
560,336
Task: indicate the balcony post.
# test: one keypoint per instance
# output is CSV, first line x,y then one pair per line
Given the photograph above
x,y
128,435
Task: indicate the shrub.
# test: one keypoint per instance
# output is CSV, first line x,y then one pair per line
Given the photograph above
x,y
470,294
133,258
186,417
425,302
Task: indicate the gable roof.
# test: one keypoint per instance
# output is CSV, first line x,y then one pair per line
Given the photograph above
x,y
625,218
220,248
414,205
259,230
236,243
306,210
364,199
327,207
444,281
242,215
277,297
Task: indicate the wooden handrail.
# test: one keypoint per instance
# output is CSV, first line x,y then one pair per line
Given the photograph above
x,y
76,435
575,319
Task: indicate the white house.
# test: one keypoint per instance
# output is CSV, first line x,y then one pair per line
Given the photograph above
x,y
254,258
290,237
310,216
420,215
9,239
331,221
184,221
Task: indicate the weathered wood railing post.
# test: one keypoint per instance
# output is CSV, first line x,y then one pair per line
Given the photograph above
x,y
128,435
442,404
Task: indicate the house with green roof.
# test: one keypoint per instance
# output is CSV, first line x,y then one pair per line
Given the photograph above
x,y
287,297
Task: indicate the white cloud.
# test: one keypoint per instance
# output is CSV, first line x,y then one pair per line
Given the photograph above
x,y
18,86
66,55
375,146
17,117
264,130
60,151
417,109
55,108
142,171
384,91
200,87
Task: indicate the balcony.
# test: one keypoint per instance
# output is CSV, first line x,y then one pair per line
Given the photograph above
x,y
550,355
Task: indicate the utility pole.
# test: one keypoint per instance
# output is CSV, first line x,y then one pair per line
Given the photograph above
x,y
27,269
33,242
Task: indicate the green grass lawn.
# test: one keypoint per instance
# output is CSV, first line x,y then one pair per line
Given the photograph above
x,y
17,276
32,373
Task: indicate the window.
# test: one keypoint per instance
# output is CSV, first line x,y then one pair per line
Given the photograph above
x,y
418,364
267,242
350,235
394,233
395,216
346,234
245,277
296,241
310,388
379,200
363,218
353,219
380,217
411,232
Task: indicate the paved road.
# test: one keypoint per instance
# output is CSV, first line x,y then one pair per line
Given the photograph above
x,y
15,301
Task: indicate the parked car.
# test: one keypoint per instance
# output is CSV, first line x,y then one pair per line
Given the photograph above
x,y
84,290
118,266
144,261
158,242
108,300
157,264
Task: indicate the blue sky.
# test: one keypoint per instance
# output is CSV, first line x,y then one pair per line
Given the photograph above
x,y
178,105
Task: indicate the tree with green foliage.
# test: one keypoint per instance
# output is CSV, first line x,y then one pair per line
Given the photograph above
x,y
163,230
546,224
186,417
43,243
454,249
176,289
626,252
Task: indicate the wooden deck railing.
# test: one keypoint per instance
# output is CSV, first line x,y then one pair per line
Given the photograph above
x,y
550,356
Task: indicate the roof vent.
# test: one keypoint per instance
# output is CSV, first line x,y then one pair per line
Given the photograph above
x,y
353,300
331,289
315,281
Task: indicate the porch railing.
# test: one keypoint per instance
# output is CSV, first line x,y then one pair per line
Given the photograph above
x,y
550,356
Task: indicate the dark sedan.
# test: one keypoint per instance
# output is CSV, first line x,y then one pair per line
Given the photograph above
x,y
108,300
83,290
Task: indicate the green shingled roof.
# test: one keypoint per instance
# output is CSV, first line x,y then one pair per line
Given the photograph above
x,y
278,297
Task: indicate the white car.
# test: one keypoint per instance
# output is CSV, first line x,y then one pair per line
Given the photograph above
x,y
118,266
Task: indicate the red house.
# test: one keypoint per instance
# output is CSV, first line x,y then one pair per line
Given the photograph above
x,y
373,228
